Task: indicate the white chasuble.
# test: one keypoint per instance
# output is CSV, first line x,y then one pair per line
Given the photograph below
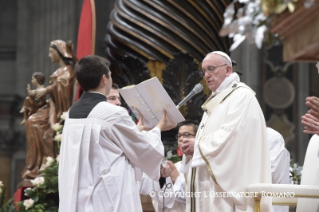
x,y
98,158
231,151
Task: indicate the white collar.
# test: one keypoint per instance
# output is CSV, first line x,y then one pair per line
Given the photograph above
x,y
232,78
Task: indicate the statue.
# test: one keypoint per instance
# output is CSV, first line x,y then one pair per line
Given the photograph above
x,y
32,103
38,126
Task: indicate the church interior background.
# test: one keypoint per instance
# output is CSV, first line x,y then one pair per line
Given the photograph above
x,y
27,27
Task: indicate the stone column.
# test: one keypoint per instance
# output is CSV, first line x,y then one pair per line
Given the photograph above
x,y
302,94
40,22
248,61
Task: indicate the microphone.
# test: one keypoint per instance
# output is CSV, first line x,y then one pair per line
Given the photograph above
x,y
198,88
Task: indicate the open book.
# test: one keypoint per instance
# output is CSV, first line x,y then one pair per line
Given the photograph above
x,y
150,98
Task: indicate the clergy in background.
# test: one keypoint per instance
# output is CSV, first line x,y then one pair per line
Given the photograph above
x,y
280,162
174,199
230,150
102,146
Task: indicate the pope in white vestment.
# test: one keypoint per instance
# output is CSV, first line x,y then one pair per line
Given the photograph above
x,y
231,149
99,176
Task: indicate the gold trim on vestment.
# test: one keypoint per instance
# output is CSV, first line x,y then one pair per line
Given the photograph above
x,y
192,190
207,164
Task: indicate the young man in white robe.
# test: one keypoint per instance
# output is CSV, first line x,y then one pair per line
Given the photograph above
x,y
102,146
173,200
230,150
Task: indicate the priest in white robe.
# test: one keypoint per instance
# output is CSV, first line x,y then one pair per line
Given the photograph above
x,y
280,162
230,150
102,146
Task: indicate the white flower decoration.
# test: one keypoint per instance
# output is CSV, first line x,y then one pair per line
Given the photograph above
x,y
58,137
63,116
38,181
25,191
57,127
28,203
49,160
1,184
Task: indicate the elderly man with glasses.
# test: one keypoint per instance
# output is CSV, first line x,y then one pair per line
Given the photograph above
x,y
230,150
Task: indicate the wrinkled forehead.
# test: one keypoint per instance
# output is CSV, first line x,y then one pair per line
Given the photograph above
x,y
212,60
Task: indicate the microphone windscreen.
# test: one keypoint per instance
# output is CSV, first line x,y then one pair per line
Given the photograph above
x,y
198,88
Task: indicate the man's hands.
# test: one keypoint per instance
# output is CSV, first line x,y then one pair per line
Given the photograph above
x,y
313,103
170,170
312,124
311,118
163,124
187,146
140,124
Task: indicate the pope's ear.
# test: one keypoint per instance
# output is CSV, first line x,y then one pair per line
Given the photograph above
x,y
229,70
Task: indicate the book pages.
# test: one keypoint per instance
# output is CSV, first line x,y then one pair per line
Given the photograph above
x,y
150,98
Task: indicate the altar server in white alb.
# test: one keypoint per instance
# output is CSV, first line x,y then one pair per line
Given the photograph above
x,y
230,150
102,147
173,200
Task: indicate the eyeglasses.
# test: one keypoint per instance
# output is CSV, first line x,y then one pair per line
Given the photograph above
x,y
185,135
211,69
317,65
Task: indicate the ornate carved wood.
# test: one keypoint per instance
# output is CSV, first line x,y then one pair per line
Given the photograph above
x,y
299,32
130,71
179,78
155,30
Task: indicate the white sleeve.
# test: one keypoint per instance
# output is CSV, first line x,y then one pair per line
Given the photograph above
x,y
179,189
152,188
145,150
186,162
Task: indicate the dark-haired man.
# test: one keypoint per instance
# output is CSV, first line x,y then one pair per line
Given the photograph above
x,y
102,146
174,197
114,95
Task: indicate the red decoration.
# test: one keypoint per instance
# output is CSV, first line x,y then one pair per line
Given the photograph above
x,y
86,34
179,152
